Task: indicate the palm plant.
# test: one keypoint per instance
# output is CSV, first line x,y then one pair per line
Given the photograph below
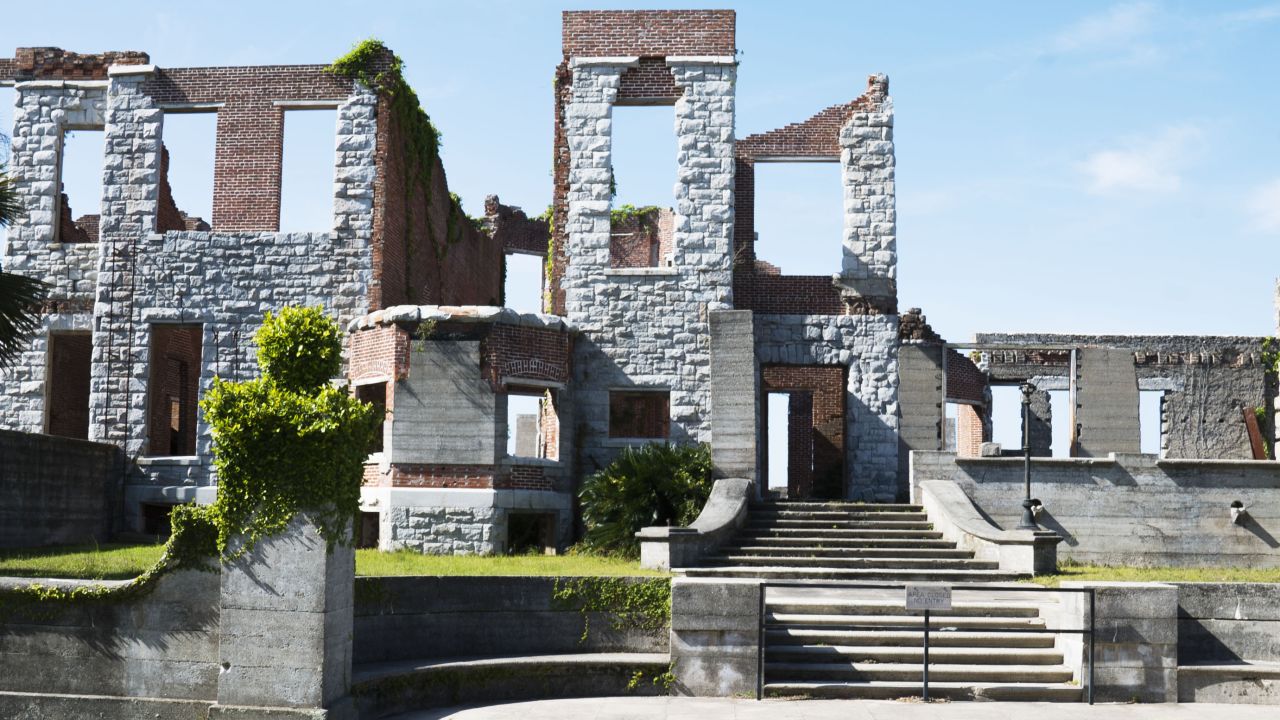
x,y
20,296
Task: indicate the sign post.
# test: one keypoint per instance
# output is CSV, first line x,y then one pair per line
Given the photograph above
x,y
927,598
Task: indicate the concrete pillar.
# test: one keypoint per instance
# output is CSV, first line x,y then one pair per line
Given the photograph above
x,y
735,395
286,628
1136,640
715,636
1108,400
1041,420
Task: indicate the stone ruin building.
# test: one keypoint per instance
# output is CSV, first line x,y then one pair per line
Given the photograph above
x,y
659,326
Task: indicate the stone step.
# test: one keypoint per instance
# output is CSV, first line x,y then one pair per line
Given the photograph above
x,y
853,574
813,551
856,621
901,563
754,523
906,638
886,654
838,533
1022,692
913,672
838,607
835,505
772,515
835,543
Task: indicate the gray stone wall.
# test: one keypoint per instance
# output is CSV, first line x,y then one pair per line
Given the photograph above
x,y
1133,509
57,491
870,258
419,618
868,346
459,521
649,327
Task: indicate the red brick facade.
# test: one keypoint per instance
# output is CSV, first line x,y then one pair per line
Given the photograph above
x,y
648,83
469,477
815,464
642,240
965,382
511,351
969,430
46,63
173,386
656,33
68,377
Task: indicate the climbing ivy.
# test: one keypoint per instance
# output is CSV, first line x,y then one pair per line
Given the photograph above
x,y
192,543
289,441
1271,354
647,215
630,604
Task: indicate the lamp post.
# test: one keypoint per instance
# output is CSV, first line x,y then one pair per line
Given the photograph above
x,y
1028,517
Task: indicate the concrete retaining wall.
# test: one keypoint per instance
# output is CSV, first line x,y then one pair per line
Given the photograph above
x,y
1228,622
55,490
1130,509
407,618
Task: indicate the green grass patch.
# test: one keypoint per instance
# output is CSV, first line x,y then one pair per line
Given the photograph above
x,y
409,562
108,561
1068,571
122,561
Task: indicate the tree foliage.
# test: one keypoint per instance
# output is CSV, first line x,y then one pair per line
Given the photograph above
x,y
654,485
289,441
20,296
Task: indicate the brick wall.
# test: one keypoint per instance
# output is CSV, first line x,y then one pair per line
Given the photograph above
x,y
604,33
514,230
964,380
68,230
56,491
43,63
822,389
642,240
67,399
649,83
168,216
471,477
250,132
524,352
553,300
969,430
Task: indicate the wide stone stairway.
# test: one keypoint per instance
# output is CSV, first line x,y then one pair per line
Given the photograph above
x,y
822,640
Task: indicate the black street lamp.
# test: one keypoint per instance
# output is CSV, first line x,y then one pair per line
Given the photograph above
x,y
1028,517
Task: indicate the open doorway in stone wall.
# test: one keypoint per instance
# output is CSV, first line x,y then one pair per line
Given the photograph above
x,y
812,441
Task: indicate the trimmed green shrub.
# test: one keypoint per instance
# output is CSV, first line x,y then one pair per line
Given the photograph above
x,y
288,441
654,485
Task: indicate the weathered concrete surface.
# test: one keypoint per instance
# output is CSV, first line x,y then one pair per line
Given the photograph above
x,y
1228,622
662,548
462,431
164,644
285,636
735,408
1133,509
419,618
920,399
1108,400
44,706
1136,641
56,491
1253,684
715,636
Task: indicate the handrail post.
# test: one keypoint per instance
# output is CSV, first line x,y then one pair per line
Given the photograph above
x,y
760,645
1091,629
925,694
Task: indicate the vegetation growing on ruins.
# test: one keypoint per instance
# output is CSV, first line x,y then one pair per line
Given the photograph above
x,y
1068,570
643,605
289,441
656,484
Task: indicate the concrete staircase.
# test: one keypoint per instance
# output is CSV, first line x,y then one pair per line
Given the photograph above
x,y
832,642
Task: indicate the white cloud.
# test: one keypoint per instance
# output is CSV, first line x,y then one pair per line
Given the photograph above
x,y
1144,164
1116,26
1253,16
1264,207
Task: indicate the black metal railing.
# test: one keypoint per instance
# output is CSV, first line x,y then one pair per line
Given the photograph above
x,y
959,587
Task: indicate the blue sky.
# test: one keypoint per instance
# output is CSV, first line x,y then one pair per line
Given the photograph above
x,y
1084,166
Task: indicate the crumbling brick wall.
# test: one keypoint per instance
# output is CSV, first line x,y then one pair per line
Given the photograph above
x,y
51,63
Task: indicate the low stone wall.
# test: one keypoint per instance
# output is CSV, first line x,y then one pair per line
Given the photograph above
x,y
56,490
1228,622
1130,509
410,618
161,645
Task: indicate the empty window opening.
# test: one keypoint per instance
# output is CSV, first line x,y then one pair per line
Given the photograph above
x,y
643,156
777,447
949,427
155,518
191,139
306,181
375,394
799,216
1006,417
1150,420
370,523
523,288
174,388
639,414
524,408
80,175
531,533
642,237
68,384
1060,401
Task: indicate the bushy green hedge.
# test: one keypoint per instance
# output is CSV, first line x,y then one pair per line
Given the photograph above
x,y
653,485
288,441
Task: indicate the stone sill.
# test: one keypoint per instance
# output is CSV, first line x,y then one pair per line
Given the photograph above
x,y
1040,461
642,272
170,461
629,442
518,461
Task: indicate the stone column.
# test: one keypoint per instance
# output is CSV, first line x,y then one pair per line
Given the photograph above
x,y
870,266
715,636
1041,412
735,395
286,627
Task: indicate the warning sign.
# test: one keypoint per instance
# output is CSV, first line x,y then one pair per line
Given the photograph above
x,y
928,597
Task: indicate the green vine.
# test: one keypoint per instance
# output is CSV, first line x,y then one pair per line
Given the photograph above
x,y
646,215
549,263
629,604
1271,354
191,545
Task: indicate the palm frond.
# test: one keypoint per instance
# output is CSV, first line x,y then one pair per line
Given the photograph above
x,y
9,207
20,299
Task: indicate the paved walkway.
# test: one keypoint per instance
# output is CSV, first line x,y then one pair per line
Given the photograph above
x,y
663,708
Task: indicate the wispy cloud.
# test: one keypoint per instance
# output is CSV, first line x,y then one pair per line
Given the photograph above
x,y
1120,34
1253,16
1150,164
1264,207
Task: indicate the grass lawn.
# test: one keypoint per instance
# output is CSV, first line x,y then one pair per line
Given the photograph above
x,y
121,561
1071,571
108,561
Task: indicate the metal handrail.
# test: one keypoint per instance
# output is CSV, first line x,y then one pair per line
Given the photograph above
x,y
925,628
